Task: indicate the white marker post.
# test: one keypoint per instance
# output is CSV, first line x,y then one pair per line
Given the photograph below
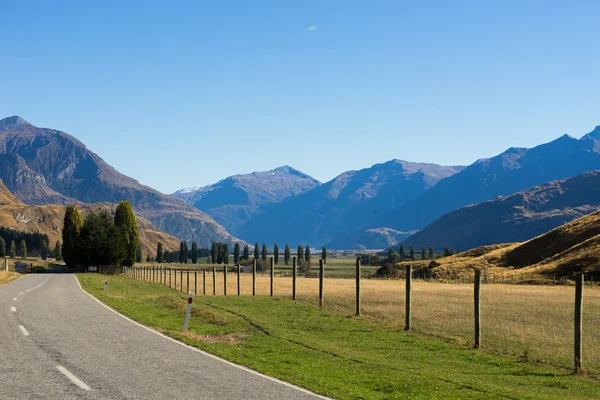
x,y
105,287
188,312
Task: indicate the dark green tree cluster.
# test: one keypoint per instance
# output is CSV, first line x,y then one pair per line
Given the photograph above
x,y
370,259
183,252
219,253
194,252
35,243
287,254
159,252
2,248
100,239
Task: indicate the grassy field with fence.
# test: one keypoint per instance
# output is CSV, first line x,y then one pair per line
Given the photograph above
x,y
530,322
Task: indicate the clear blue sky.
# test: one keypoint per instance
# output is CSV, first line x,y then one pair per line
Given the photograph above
x,y
181,94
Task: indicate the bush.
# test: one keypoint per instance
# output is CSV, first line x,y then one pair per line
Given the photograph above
x,y
388,270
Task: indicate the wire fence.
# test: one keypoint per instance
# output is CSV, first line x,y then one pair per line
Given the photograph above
x,y
529,317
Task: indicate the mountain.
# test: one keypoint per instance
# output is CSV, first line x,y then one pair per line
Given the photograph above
x,y
234,200
514,170
515,218
46,166
49,220
349,201
571,248
370,239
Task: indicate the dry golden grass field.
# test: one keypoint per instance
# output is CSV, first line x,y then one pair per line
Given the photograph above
x,y
530,322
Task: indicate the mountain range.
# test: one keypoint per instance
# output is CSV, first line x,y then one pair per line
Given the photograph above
x,y
45,166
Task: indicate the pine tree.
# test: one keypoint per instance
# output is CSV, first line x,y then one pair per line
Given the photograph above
x,y
219,253
127,225
307,254
185,252
44,250
57,251
225,253
402,253
181,252
70,236
423,253
324,255
236,253
13,249
138,254
412,252
194,252
276,253
214,253
159,252
286,254
256,251
264,252
100,241
2,248
246,252
431,253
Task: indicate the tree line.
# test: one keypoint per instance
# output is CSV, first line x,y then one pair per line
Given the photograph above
x,y
101,239
15,243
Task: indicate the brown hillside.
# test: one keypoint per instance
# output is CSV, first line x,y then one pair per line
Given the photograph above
x,y
6,197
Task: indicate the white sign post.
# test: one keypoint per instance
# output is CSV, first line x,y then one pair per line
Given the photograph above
x,y
188,312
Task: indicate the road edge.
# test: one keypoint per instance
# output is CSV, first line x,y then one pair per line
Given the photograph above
x,y
214,357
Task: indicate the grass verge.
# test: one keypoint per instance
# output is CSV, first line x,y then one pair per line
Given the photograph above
x,y
341,357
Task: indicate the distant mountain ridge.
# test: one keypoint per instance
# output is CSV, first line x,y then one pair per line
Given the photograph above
x,y
350,200
514,170
46,166
234,200
514,218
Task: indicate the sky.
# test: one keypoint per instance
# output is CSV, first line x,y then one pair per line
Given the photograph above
x,y
185,93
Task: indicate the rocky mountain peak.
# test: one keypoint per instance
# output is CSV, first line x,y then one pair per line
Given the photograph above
x,y
12,122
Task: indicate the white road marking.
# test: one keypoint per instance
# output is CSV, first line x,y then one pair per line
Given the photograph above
x,y
15,299
33,288
73,378
13,309
22,328
290,385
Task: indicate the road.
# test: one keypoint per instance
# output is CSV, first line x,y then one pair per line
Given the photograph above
x,y
56,342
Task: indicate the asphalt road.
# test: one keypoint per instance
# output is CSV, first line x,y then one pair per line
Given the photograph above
x,y
56,342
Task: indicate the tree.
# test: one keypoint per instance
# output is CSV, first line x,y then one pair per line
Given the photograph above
x,y
23,249
236,253
402,253
194,252
431,253
72,226
392,256
100,241
264,252
181,252
324,255
185,252
13,249
225,253
44,250
57,251
127,226
276,253
214,253
423,253
246,252
2,248
447,251
412,252
138,254
307,254
256,251
286,254
159,252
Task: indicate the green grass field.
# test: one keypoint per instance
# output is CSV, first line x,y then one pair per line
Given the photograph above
x,y
341,357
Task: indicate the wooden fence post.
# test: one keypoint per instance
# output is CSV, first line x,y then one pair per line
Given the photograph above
x,y
357,286
175,280
204,282
254,277
294,277
181,280
225,280
477,301
170,276
321,279
578,322
272,264
196,282
188,281
214,281
408,295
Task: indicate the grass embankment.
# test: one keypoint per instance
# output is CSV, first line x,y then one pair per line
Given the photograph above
x,y
6,277
342,357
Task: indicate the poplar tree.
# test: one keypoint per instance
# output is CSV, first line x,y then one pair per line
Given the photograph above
x,y
57,251
194,252
276,253
246,252
127,225
2,248
423,253
185,252
44,250
70,236
256,251
402,253
286,254
219,253
225,253
138,254
300,253
159,252
431,253
23,249
324,255
181,252
307,254
214,253
412,252
13,249
236,253
264,251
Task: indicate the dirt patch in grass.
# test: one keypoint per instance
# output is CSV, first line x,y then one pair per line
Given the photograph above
x,y
224,338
